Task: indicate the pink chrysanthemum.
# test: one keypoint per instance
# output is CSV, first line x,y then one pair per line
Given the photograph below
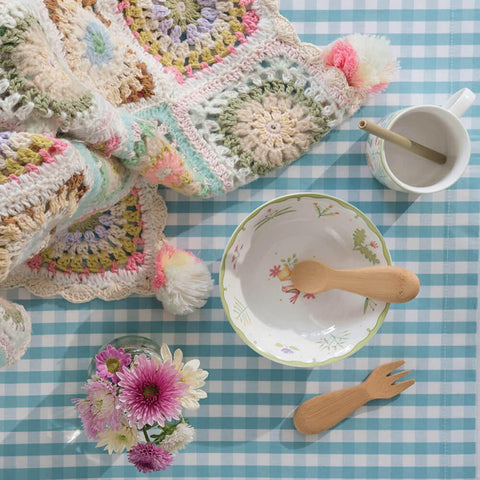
x,y
99,409
110,361
147,457
150,392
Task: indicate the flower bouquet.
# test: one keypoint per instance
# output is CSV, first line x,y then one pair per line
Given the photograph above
x,y
134,402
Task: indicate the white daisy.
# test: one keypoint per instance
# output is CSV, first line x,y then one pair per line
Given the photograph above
x,y
115,441
192,375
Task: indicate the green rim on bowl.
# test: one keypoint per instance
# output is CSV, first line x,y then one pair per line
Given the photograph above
x,y
232,240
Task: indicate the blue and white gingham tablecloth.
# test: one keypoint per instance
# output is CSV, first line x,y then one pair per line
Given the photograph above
x,y
244,428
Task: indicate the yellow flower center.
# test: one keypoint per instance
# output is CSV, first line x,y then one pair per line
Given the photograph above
x,y
181,7
150,391
113,364
275,127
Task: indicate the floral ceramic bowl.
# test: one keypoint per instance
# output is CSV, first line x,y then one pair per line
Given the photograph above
x,y
264,308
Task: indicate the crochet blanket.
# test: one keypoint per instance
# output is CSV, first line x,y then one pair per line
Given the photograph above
x,y
101,100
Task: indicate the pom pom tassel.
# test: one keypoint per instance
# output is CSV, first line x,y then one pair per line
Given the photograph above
x,y
366,60
182,281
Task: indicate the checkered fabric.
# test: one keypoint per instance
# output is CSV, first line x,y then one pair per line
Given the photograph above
x,y
244,427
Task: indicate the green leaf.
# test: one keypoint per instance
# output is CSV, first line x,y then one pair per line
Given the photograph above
x,y
369,255
157,439
365,305
359,237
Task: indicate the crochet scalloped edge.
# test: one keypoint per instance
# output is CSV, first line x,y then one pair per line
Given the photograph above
x,y
113,288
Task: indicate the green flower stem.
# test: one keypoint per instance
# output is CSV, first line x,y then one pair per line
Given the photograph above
x,y
147,438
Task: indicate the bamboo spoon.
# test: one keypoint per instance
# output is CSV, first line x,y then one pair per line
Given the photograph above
x,y
385,283
402,141
324,411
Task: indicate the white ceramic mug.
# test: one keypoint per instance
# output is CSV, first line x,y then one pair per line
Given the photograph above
x,y
436,127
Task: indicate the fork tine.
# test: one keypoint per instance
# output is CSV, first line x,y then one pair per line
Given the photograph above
x,y
395,377
400,387
384,370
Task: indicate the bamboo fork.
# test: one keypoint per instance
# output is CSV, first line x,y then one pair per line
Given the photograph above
x,y
324,411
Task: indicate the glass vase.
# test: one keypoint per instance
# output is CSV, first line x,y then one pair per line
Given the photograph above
x,y
133,344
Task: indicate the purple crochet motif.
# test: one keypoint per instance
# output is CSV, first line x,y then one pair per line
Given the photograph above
x,y
4,136
189,35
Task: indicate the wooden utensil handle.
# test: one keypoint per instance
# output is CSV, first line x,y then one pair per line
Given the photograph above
x,y
324,411
402,141
384,283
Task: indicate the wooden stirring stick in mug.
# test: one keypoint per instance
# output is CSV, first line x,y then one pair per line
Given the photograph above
x,y
324,411
402,141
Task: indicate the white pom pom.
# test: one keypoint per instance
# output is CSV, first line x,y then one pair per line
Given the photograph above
x,y
183,281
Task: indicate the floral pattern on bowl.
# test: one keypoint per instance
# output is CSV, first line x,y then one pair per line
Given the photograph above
x,y
282,272
264,308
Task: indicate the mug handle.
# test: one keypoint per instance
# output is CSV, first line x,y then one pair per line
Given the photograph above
x,y
460,102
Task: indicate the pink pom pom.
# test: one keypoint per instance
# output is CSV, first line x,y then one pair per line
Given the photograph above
x,y
366,61
160,278
343,56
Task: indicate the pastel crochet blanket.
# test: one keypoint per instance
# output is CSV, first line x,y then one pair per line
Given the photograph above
x,y
103,100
